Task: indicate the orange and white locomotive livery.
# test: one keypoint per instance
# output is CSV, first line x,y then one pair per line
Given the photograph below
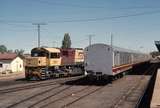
x,y
48,62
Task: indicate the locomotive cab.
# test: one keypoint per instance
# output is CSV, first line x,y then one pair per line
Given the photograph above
x,y
44,57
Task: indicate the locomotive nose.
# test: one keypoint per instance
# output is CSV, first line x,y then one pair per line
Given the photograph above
x,y
36,61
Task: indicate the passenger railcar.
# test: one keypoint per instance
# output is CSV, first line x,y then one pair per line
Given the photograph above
x,y
54,62
104,60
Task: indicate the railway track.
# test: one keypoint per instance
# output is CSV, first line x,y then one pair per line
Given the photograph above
x,y
43,84
47,97
144,101
65,95
123,98
81,97
61,98
90,90
43,93
38,94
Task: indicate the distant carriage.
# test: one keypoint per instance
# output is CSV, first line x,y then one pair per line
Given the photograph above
x,y
49,62
104,60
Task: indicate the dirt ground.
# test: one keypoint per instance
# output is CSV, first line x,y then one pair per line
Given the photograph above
x,y
81,93
11,79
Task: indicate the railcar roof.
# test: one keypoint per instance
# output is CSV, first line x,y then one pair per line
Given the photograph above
x,y
115,48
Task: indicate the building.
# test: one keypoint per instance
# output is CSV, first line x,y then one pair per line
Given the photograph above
x,y
10,63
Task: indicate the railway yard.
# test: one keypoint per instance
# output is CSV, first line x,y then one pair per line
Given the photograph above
x,y
77,92
100,76
79,54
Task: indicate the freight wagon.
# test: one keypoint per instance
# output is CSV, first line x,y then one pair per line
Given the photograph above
x,y
107,61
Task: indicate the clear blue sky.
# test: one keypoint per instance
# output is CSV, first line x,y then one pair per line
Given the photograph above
x,y
135,24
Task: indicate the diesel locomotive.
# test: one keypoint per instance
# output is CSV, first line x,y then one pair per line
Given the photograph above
x,y
54,62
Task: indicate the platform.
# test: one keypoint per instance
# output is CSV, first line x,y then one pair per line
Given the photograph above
x,y
155,102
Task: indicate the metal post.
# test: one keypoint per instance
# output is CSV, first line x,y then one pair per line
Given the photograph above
x,y
38,29
111,40
38,35
90,39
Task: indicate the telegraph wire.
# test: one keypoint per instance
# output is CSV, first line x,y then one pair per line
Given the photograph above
x,y
82,6
66,5
107,18
140,7
79,41
89,19
18,25
14,21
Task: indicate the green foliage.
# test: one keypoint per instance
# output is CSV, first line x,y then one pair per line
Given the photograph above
x,y
66,42
3,48
10,51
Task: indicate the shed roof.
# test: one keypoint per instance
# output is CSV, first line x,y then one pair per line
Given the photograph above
x,y
7,56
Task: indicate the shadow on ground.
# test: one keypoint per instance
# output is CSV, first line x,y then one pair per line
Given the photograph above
x,y
87,81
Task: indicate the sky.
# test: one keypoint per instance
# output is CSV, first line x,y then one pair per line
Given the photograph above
x,y
134,24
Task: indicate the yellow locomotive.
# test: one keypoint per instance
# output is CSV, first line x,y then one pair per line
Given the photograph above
x,y
54,62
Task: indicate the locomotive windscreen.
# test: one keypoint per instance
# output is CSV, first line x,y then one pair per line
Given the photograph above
x,y
38,53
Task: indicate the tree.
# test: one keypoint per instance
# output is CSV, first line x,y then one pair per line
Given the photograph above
x,y
10,51
19,52
3,48
66,42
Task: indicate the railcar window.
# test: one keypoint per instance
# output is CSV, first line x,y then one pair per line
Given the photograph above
x,y
1,65
55,55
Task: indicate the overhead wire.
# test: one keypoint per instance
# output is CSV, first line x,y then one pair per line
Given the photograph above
x,y
107,18
66,4
91,6
87,20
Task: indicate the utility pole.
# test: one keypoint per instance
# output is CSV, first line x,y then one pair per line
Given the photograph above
x,y
38,29
90,39
111,40
55,44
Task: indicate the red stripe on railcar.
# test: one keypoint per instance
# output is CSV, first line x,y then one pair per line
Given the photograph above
x,y
122,67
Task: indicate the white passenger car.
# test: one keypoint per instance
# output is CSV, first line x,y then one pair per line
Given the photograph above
x,y
102,59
